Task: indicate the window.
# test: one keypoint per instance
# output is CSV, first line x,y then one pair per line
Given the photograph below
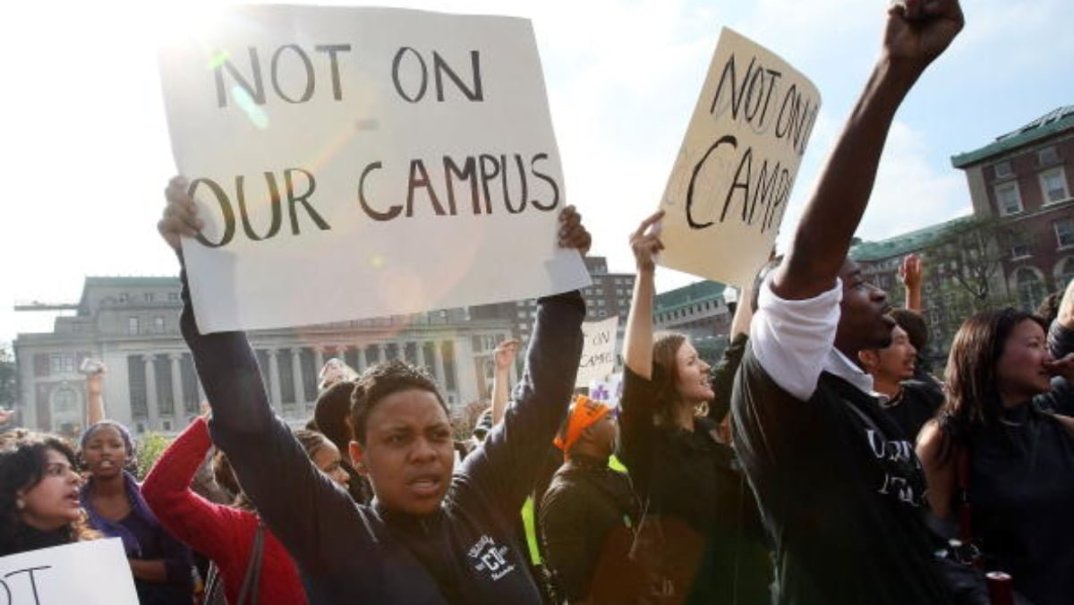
x,y
522,315
148,296
173,297
132,325
1064,232
1029,288
1008,199
124,297
1053,185
1047,156
1020,249
1003,169
1066,273
158,325
61,364
65,401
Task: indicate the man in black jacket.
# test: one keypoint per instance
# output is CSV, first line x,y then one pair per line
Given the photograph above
x,y
589,510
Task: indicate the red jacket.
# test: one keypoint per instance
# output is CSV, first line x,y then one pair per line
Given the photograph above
x,y
224,534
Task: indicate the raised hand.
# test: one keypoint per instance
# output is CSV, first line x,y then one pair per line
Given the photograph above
x,y
180,214
505,352
920,30
645,242
572,233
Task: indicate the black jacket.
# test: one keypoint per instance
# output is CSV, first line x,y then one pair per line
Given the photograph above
x,y
347,553
587,516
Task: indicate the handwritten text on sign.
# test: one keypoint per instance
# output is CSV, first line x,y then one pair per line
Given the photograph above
x,y
89,573
599,354
732,179
361,162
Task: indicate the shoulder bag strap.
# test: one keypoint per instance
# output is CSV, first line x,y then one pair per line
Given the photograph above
x,y
251,584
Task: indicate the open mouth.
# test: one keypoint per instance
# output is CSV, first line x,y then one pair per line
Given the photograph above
x,y
425,485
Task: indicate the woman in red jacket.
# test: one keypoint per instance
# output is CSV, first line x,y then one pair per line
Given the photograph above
x,y
226,534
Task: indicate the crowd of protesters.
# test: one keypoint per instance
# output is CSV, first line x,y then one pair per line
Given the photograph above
x,y
821,461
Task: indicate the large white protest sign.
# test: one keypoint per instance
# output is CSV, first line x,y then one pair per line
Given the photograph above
x,y
95,572
732,179
360,162
598,355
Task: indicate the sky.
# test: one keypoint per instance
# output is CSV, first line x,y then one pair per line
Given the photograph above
x,y
86,155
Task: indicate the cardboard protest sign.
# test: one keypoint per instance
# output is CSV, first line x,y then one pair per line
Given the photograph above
x,y
733,176
95,572
598,355
360,162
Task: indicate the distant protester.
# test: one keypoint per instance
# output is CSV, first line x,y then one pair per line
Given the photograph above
x,y
112,497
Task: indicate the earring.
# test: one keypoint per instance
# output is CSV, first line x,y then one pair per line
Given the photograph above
x,y
20,503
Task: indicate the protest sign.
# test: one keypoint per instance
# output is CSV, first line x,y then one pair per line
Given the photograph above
x,y
608,391
733,176
598,355
95,572
360,162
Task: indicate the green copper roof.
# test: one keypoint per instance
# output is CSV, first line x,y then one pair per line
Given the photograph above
x,y
904,243
1053,122
686,295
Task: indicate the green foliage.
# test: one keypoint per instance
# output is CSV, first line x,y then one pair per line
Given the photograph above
x,y
149,448
7,377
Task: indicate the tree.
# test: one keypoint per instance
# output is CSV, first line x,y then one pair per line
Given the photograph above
x,y
8,394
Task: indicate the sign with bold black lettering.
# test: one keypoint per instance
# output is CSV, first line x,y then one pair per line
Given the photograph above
x,y
361,162
89,573
599,354
732,179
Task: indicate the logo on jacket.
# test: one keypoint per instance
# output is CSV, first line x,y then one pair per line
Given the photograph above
x,y
490,558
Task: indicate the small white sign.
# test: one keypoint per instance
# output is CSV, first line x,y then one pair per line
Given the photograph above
x,y
598,356
363,162
95,572
733,176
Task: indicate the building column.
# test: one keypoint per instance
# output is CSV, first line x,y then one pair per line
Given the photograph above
x,y
378,350
151,403
318,359
177,389
419,347
438,363
296,372
275,399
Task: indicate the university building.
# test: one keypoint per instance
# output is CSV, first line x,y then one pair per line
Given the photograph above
x,y
1016,247
132,325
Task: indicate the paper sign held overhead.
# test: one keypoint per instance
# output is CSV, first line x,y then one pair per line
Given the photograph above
x,y
598,355
362,162
733,176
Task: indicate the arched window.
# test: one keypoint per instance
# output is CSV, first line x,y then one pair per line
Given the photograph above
x,y
1029,288
1064,272
66,406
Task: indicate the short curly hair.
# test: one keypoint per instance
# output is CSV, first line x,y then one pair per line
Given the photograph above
x,y
382,380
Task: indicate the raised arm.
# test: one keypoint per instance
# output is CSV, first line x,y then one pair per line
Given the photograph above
x,y
916,33
638,341
260,447
504,358
94,371
1061,332
506,464
203,525
911,272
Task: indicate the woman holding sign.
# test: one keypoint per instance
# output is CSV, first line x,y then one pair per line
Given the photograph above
x,y
431,535
39,505
713,549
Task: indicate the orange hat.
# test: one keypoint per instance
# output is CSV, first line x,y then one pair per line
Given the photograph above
x,y
583,413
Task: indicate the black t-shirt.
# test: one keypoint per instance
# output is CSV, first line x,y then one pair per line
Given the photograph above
x,y
915,405
689,477
1022,498
840,491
